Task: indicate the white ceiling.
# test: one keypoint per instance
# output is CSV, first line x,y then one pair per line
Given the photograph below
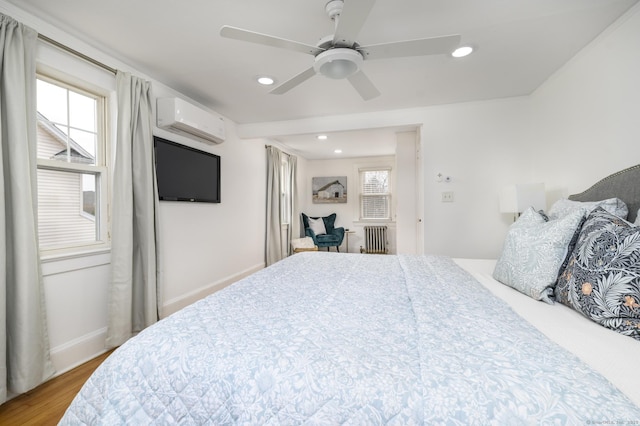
x,y
520,43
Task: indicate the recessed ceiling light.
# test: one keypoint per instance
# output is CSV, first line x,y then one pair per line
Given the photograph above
x,y
265,80
321,137
338,151
462,51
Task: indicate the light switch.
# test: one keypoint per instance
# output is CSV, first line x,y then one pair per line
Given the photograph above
x,y
447,197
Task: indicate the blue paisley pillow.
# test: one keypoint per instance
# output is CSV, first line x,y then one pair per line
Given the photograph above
x,y
602,278
534,251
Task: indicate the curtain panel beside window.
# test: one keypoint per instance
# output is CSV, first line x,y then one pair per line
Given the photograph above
x,y
24,345
135,292
281,203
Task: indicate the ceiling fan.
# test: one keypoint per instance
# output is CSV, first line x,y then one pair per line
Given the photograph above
x,y
340,56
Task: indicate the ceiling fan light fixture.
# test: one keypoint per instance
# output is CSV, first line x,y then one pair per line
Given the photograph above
x,y
462,51
338,63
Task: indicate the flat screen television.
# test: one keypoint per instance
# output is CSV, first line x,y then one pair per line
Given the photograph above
x,y
186,174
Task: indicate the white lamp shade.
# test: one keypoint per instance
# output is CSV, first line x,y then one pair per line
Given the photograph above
x,y
517,198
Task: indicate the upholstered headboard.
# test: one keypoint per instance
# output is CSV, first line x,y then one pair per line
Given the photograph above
x,y
624,185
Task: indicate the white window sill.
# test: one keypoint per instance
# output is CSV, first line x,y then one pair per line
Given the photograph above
x,y
61,261
74,253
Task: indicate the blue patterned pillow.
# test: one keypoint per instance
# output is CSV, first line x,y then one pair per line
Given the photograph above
x,y
602,278
534,251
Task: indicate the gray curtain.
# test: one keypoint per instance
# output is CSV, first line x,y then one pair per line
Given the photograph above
x,y
281,173
24,346
134,293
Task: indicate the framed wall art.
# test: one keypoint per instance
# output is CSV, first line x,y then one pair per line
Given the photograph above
x,y
329,189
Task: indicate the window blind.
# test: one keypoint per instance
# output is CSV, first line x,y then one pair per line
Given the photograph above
x,y
375,194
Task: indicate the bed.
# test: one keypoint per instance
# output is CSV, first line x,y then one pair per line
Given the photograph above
x,y
331,338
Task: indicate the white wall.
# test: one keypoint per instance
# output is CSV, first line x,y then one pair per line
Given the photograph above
x,y
204,246
579,126
347,213
587,119
406,199
208,246
483,147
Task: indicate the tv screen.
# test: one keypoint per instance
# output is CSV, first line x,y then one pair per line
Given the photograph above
x,y
186,174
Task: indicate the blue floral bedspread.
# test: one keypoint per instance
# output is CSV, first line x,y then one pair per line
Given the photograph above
x,y
326,338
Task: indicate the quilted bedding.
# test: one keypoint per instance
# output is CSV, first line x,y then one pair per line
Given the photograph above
x,y
326,338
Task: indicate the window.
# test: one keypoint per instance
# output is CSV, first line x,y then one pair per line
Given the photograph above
x,y
285,185
71,165
375,194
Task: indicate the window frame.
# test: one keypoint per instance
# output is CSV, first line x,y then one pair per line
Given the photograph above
x,y
99,170
286,192
83,213
362,196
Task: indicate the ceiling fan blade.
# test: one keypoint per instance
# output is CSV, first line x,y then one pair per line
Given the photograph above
x,y
294,81
363,85
354,14
425,46
267,40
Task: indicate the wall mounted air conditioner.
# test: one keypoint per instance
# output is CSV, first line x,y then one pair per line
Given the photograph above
x,y
179,116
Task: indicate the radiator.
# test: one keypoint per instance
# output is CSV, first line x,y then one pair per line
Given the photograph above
x,y
375,240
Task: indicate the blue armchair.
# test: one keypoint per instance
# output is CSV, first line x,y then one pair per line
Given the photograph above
x,y
333,235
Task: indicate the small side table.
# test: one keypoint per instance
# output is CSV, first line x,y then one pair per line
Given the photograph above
x,y
346,233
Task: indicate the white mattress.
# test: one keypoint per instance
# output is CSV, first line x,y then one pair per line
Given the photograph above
x,y
613,355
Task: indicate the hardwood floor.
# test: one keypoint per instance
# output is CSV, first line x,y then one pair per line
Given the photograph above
x,y
46,404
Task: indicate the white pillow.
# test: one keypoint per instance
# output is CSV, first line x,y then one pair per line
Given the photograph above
x,y
564,207
317,226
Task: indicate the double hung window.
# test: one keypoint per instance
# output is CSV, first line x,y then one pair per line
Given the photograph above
x,y
375,194
72,173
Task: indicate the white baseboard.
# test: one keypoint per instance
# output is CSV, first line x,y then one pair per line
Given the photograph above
x,y
69,355
175,304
